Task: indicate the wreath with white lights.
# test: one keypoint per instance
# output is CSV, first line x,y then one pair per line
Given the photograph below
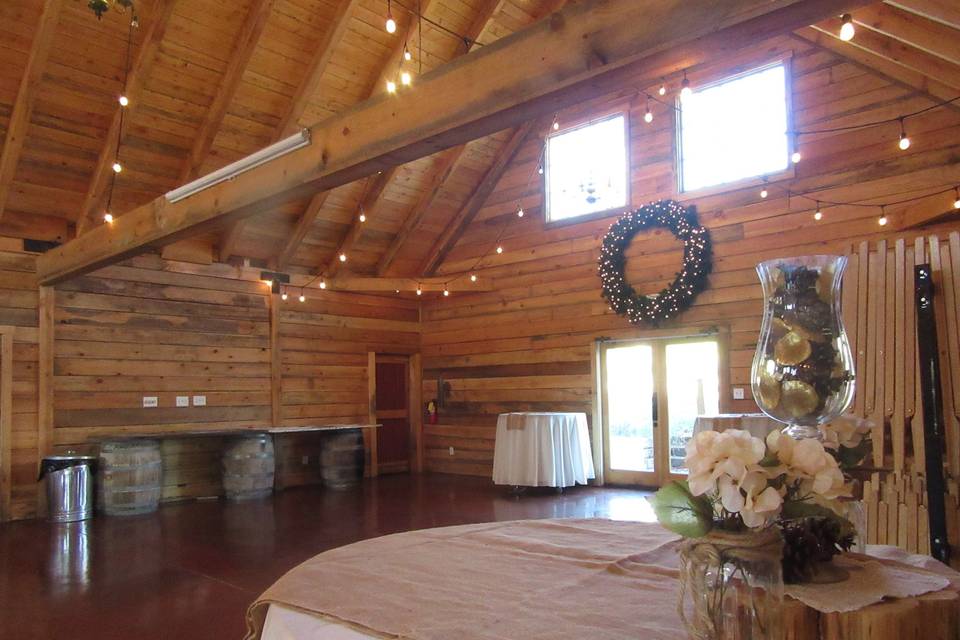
x,y
689,281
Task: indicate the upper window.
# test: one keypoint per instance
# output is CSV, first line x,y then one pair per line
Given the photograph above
x,y
587,169
734,129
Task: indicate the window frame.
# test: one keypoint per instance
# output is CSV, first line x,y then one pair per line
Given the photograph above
x,y
582,123
789,173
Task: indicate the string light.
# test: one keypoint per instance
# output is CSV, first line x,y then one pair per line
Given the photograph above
x,y
499,249
343,257
405,78
406,53
904,139
284,296
819,214
108,218
685,90
556,125
391,86
883,217
323,283
391,24
540,169
363,216
956,203
473,277
123,100
648,116
446,292
117,167
663,89
269,283
797,156
302,297
846,27
519,212
764,192
419,289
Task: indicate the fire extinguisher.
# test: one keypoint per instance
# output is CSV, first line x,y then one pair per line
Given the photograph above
x,y
432,412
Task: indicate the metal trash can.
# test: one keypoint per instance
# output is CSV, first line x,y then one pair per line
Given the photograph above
x,y
69,487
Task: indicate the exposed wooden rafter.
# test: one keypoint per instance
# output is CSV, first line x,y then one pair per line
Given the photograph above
x,y
945,11
301,230
578,53
243,48
929,36
100,181
465,216
290,123
373,191
26,94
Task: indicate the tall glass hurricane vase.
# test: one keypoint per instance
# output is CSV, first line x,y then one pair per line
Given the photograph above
x,y
803,369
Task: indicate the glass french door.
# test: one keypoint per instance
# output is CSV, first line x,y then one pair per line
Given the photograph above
x,y
651,394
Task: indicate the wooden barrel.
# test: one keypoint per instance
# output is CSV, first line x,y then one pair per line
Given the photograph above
x,y
341,459
131,477
248,467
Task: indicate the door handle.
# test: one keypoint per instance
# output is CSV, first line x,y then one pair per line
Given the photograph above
x,y
655,410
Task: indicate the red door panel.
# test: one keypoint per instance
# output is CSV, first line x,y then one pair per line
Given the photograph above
x,y
393,438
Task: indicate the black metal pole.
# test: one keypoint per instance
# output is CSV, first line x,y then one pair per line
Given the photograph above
x,y
933,425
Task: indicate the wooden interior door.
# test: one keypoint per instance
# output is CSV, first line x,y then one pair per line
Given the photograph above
x,y
393,438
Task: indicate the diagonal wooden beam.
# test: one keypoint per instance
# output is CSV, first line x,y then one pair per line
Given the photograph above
x,y
934,68
374,189
944,11
139,73
290,122
300,231
465,216
892,71
26,94
592,47
927,35
926,211
243,48
447,164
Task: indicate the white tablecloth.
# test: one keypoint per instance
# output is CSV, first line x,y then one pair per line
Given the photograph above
x,y
758,424
542,450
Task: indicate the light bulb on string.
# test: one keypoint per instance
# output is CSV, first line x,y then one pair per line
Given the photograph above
x,y
904,138
846,27
323,283
883,217
390,24
556,124
473,277
391,86
108,217
663,89
540,169
419,290
764,192
685,90
797,156
117,167
499,250
519,211
956,203
819,214
446,292
406,53
405,78
648,116
123,100
362,217
284,296
302,297
343,257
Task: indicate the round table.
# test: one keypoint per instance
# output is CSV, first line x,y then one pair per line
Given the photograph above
x,y
542,450
537,580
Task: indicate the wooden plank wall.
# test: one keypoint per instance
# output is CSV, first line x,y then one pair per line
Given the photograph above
x,y
151,327
18,317
526,345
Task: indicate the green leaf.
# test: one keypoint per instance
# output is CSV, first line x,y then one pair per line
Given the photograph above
x,y
681,512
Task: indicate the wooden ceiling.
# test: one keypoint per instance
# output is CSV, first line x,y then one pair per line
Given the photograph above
x,y
214,80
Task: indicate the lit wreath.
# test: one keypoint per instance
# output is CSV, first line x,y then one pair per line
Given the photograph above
x,y
690,280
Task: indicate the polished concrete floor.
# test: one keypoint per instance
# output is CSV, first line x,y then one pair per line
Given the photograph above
x,y
191,569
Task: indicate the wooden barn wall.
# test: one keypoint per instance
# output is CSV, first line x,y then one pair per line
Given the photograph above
x,y
150,327
527,344
19,445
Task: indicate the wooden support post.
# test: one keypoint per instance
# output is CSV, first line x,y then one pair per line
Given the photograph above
x,y
46,337
415,410
276,371
374,469
6,421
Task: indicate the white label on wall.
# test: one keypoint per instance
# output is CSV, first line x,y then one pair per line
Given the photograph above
x,y
183,401
149,402
199,401
738,393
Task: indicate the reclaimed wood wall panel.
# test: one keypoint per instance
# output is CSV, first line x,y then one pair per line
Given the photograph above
x,y
527,343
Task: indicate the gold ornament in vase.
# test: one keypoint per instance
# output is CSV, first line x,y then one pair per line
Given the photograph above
x,y
803,369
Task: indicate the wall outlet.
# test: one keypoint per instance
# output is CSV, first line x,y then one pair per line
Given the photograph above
x,y
183,401
738,393
451,451
199,401
149,402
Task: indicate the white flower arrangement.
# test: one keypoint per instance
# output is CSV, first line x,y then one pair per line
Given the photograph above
x,y
738,481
